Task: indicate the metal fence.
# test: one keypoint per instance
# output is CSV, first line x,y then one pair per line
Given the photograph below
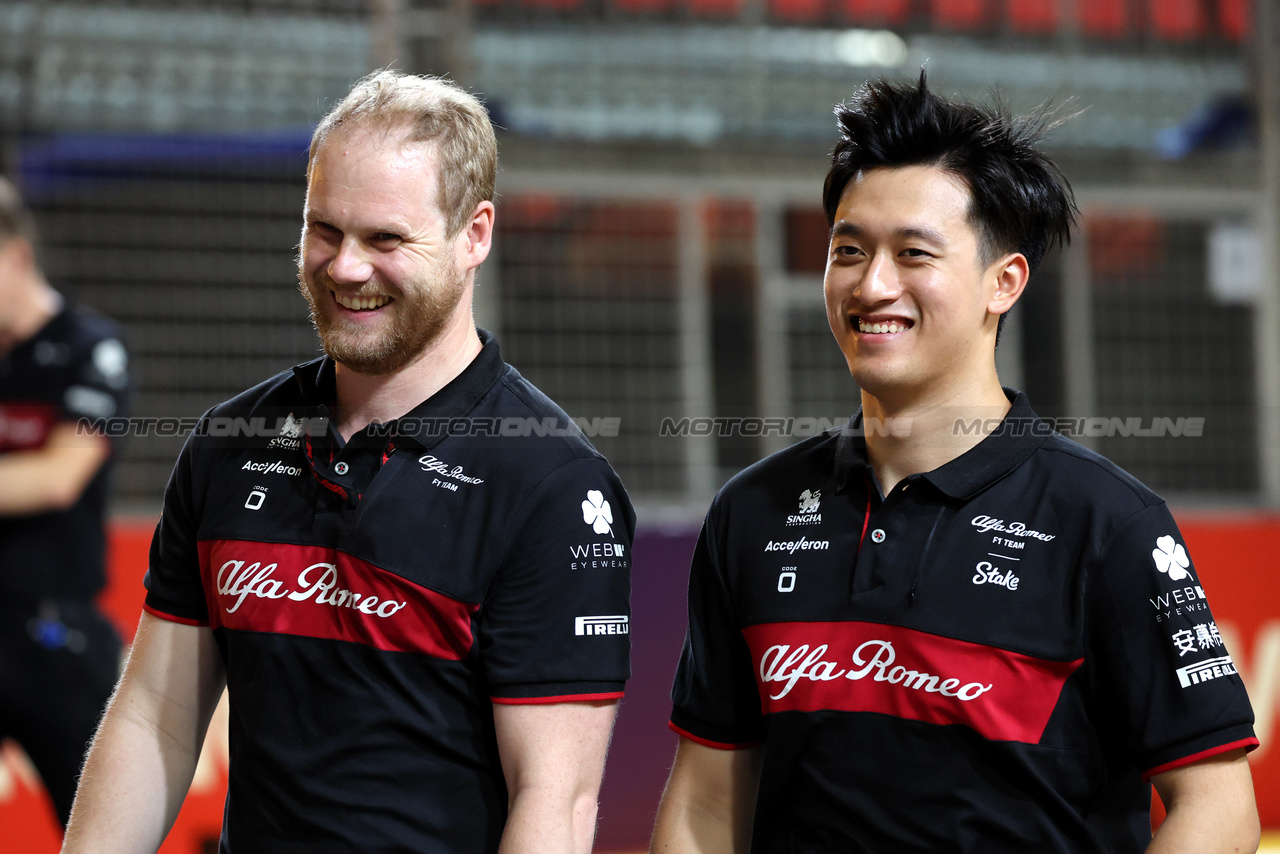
x,y
664,305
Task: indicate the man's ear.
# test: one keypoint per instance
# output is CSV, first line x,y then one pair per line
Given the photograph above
x,y
477,236
1009,277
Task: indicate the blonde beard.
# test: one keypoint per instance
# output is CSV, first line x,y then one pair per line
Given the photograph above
x,y
424,308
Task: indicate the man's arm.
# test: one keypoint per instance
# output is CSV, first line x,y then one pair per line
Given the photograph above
x,y
145,751
1210,807
709,801
553,761
51,477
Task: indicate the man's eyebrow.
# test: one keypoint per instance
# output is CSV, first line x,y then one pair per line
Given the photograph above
x,y
920,232
925,233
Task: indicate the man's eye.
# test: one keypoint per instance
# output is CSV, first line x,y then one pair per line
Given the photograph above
x,y
848,251
915,253
386,237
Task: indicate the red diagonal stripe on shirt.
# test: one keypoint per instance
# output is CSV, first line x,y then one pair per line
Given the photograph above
x,y
869,667
321,592
26,425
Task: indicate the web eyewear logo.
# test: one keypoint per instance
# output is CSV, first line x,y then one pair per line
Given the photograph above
x,y
597,513
1179,601
1171,558
618,624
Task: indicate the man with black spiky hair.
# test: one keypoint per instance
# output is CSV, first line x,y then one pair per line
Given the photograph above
x,y
975,635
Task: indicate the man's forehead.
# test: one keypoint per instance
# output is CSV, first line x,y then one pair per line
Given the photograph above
x,y
925,193
389,141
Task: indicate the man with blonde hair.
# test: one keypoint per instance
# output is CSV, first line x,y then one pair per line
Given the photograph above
x,y
386,580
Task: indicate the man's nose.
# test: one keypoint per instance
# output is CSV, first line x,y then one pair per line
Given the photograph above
x,y
351,263
880,281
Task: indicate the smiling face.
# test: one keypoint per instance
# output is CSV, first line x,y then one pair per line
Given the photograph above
x,y
909,300
382,278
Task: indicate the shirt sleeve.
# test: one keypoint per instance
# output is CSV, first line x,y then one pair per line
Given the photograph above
x,y
174,588
98,386
715,698
1162,668
555,625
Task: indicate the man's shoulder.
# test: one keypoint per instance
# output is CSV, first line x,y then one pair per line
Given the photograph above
x,y
1077,471
809,463
525,412
280,390
85,327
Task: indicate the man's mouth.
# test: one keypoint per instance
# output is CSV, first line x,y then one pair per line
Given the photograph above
x,y
361,303
881,327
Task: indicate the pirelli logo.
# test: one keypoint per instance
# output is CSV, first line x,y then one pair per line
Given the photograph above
x,y
1204,671
614,625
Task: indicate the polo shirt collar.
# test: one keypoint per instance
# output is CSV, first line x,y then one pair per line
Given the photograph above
x,y
317,382
1019,435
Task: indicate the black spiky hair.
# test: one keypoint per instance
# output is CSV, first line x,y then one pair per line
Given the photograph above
x,y
1020,200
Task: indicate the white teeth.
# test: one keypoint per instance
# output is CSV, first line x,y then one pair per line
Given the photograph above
x,y
880,328
362,303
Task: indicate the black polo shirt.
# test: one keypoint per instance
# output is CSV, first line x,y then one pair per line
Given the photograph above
x,y
75,367
994,657
372,599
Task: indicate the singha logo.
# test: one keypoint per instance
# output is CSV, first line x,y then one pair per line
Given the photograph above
x,y
809,501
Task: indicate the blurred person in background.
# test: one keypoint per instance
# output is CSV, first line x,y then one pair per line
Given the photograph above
x,y
59,364
970,634
415,660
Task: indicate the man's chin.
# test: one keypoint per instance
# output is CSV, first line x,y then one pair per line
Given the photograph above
x,y
373,360
877,382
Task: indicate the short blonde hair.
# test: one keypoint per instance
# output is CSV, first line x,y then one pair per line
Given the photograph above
x,y
429,109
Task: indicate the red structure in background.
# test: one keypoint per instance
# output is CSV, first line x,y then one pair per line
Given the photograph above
x,y
27,821
1234,559
1170,21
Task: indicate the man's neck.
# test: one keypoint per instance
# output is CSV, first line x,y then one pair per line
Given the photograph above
x,y
911,434
34,305
363,399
